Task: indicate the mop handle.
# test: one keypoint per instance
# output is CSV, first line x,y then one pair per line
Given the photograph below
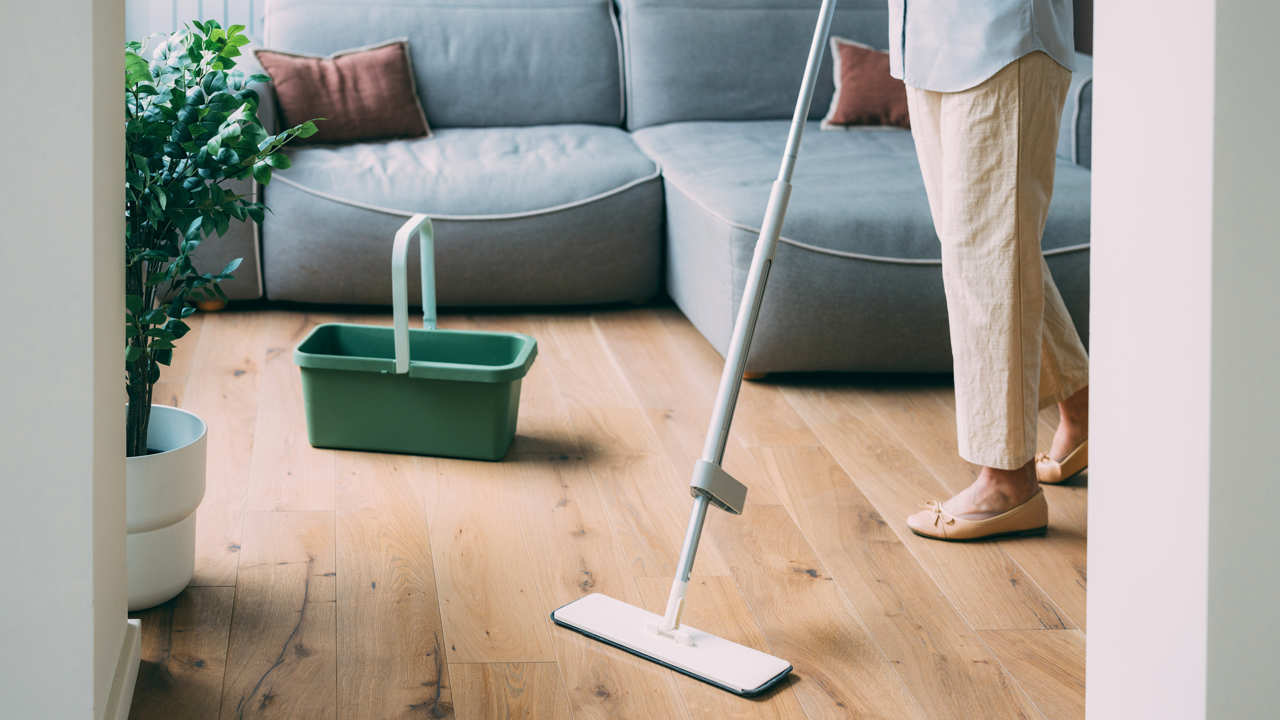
x,y
735,361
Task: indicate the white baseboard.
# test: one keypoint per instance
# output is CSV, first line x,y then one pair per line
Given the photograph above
x,y
120,698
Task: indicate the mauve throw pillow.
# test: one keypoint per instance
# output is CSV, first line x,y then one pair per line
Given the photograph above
x,y
362,94
866,94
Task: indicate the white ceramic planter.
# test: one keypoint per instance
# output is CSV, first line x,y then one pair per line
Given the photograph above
x,y
163,491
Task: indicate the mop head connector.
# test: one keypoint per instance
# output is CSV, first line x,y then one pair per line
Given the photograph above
x,y
680,635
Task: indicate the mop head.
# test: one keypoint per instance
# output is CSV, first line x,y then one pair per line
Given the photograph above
x,y
727,665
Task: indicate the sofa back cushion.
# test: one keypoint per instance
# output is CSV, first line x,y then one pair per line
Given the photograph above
x,y
477,63
731,59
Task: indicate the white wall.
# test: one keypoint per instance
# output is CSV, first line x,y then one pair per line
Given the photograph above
x,y
1150,359
143,17
1184,591
62,597
1244,498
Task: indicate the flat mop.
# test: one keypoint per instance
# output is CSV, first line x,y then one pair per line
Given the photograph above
x,y
661,638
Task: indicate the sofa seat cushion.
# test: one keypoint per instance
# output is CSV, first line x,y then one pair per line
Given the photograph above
x,y
856,284
475,171
857,192
525,215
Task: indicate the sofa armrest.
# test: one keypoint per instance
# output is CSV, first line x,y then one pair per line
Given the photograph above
x,y
268,112
1075,141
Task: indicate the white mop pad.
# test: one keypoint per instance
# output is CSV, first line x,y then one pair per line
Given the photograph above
x,y
739,669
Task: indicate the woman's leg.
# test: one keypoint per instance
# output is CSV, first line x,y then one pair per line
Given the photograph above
x,y
925,110
997,145
1064,373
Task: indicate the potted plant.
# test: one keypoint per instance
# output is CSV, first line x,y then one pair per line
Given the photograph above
x,y
191,125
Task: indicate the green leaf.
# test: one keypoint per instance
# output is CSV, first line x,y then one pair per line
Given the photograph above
x,y
136,68
232,131
308,128
133,303
214,82
164,357
278,161
262,173
177,328
132,353
230,268
193,229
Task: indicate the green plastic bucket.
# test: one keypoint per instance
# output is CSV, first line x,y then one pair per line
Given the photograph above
x,y
452,393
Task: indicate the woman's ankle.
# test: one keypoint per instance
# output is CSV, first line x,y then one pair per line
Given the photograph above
x,y
1074,411
1017,485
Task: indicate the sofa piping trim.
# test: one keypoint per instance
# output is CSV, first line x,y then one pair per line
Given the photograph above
x,y
843,253
656,174
628,93
622,73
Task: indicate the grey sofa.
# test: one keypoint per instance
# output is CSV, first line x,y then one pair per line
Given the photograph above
x,y
587,153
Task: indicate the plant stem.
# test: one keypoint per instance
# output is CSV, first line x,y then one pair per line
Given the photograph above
x,y
137,386
139,414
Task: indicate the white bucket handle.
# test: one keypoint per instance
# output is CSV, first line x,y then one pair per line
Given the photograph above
x,y
421,224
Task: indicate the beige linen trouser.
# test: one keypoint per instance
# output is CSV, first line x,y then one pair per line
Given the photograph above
x,y
987,155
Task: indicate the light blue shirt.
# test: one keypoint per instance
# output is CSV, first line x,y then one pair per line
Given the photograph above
x,y
952,45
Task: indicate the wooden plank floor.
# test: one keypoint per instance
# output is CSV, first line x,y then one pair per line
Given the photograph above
x,y
357,585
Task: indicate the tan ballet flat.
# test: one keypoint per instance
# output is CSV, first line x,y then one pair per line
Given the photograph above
x,y
1053,472
1029,518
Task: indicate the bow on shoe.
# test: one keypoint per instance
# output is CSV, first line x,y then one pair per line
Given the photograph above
x,y
1048,470
939,515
